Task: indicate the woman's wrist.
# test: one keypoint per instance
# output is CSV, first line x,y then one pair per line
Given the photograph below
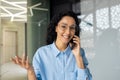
x,y
31,74
30,70
77,55
79,61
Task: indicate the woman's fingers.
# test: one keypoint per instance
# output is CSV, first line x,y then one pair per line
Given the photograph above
x,y
19,58
13,59
76,38
16,60
23,60
27,63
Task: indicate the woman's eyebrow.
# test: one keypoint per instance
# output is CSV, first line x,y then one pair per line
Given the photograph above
x,y
64,23
67,24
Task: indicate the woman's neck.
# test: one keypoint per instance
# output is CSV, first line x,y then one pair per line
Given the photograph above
x,y
60,46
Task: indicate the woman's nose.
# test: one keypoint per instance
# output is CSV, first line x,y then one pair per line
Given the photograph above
x,y
67,31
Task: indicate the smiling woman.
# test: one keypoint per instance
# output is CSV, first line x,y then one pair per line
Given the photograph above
x,y
65,61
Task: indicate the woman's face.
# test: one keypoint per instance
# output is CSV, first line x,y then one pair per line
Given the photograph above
x,y
65,29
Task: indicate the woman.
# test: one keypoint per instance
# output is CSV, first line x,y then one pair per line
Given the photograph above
x,y
62,58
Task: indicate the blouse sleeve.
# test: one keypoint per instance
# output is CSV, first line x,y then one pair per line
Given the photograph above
x,y
84,74
36,65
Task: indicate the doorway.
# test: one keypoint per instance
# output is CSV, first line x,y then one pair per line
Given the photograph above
x,y
10,45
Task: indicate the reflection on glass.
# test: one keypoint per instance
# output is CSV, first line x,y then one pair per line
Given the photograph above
x,y
102,18
102,40
115,16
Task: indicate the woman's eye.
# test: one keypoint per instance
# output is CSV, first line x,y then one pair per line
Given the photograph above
x,y
63,26
72,27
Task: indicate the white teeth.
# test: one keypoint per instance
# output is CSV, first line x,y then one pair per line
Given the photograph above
x,y
66,37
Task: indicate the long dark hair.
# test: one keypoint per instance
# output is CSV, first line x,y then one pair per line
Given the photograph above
x,y
51,34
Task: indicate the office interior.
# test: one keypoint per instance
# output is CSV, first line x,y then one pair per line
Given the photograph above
x,y
23,27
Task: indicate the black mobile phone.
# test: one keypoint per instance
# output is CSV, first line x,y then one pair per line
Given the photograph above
x,y
72,43
77,34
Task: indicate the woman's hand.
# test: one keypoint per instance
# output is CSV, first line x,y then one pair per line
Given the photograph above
x,y
76,52
22,62
25,64
76,48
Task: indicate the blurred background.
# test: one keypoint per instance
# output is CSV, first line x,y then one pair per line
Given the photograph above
x,y
23,27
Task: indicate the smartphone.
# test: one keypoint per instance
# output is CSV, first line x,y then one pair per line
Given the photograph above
x,y
77,34
72,44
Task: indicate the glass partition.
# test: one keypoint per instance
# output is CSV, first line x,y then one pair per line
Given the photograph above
x,y
100,37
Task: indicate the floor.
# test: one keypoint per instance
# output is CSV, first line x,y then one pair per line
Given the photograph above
x,y
11,71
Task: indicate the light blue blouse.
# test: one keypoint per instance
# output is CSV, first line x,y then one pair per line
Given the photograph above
x,y
51,64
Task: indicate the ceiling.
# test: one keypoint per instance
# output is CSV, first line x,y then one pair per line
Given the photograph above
x,y
16,10
13,10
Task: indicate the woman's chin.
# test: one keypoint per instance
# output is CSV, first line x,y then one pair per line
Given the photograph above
x,y
66,41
